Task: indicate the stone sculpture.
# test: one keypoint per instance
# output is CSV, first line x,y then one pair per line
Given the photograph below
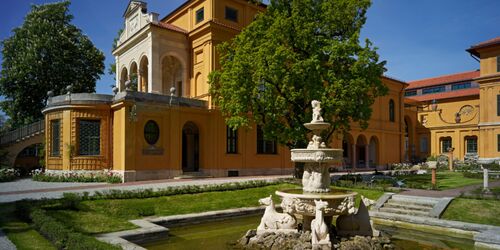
x,y
358,221
316,106
274,221
320,233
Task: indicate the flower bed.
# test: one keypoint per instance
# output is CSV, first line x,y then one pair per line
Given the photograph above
x,y
77,176
8,174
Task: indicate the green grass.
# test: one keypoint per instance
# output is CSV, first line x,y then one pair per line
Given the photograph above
x,y
474,211
111,215
101,216
21,233
445,180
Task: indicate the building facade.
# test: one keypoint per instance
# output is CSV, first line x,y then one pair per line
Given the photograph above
x,y
160,123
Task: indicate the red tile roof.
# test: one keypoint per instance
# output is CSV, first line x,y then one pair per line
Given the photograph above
x,y
473,48
457,77
169,26
445,95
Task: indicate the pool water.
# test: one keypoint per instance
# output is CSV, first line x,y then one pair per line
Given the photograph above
x,y
222,234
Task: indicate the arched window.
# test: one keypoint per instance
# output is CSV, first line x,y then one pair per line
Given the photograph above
x,y
391,111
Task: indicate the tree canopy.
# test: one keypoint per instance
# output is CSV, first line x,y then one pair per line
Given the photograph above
x,y
295,52
46,53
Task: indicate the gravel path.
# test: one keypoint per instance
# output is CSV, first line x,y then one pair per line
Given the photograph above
x,y
57,191
447,193
29,184
5,243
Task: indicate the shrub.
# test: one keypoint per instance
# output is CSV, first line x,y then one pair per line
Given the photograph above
x,y
150,193
8,174
77,176
63,237
432,158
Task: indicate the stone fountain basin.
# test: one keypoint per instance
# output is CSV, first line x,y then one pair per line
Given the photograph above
x,y
302,203
322,155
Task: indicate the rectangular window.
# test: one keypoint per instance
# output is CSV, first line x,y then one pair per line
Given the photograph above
x,y
432,90
231,14
498,143
200,15
498,105
423,144
89,137
265,146
498,63
232,140
471,143
445,144
55,135
457,86
411,93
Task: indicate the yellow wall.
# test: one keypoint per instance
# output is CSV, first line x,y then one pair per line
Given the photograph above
x,y
69,117
489,85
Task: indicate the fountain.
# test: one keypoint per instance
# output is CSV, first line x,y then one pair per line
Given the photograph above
x,y
303,203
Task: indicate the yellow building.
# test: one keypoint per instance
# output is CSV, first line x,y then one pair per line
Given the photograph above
x,y
160,122
459,111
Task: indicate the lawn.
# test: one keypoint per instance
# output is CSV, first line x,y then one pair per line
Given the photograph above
x,y
102,216
474,211
445,180
20,232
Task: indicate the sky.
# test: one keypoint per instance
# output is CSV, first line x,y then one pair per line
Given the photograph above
x,y
418,39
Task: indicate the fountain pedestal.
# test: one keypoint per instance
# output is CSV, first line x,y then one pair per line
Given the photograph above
x,y
316,179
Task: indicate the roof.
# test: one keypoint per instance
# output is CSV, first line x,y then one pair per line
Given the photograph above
x,y
439,80
395,79
169,26
473,49
445,95
263,5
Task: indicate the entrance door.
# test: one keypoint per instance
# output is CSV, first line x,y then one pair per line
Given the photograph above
x,y
190,148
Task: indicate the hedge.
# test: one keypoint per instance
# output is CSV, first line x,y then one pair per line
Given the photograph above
x,y
63,237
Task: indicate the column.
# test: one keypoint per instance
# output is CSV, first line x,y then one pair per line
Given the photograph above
x,y
485,180
140,82
367,155
354,163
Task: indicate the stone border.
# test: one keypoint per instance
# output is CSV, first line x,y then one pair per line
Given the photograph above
x,y
382,200
155,228
5,243
483,235
439,208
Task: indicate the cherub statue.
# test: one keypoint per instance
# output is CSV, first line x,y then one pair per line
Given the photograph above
x,y
316,117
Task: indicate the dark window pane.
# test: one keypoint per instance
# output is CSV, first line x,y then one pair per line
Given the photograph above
x,y
498,105
498,143
151,132
89,137
392,115
498,63
458,86
411,93
232,140
265,146
445,144
471,144
200,15
432,90
231,14
55,143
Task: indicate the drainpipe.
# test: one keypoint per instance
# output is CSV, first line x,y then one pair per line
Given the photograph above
x,y
401,110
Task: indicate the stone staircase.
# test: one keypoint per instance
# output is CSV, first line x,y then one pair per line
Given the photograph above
x,y
412,205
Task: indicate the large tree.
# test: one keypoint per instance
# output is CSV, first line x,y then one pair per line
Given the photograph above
x,y
46,53
295,52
